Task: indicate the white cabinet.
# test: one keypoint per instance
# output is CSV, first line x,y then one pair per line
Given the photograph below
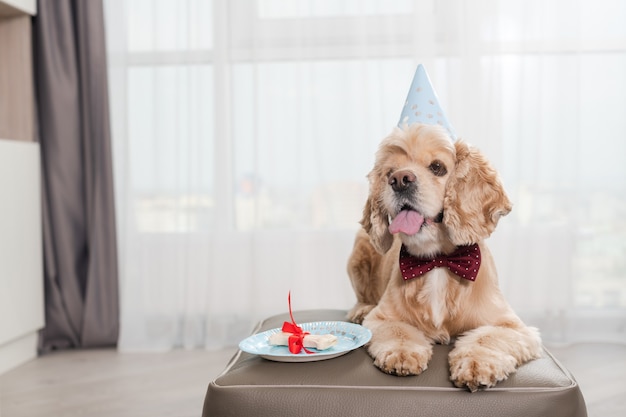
x,y
21,259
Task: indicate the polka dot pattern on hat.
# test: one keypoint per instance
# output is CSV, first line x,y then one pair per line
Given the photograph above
x,y
422,104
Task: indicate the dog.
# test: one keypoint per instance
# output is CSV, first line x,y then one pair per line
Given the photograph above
x,y
429,198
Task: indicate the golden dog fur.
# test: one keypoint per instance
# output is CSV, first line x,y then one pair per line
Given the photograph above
x,y
407,317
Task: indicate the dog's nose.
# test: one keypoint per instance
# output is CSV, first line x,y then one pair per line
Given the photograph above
x,y
401,180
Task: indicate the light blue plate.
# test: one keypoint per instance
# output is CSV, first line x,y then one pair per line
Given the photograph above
x,y
350,336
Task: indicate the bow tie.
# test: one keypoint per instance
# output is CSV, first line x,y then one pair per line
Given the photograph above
x,y
464,262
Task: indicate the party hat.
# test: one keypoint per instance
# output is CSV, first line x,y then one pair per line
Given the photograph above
x,y
422,105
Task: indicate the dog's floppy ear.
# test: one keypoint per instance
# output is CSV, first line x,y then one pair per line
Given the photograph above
x,y
475,198
375,219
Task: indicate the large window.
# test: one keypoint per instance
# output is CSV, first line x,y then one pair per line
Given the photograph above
x,y
250,123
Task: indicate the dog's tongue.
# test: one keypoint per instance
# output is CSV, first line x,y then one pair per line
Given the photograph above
x,y
407,222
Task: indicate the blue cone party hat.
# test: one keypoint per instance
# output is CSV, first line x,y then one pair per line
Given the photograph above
x,y
422,105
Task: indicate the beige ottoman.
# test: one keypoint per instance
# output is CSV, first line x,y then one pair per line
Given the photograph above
x,y
350,385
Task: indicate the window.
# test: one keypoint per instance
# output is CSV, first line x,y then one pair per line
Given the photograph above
x,y
246,129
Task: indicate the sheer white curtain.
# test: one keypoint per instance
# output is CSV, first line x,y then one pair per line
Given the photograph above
x,y
243,131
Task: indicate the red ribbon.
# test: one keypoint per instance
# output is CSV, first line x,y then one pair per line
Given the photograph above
x,y
296,340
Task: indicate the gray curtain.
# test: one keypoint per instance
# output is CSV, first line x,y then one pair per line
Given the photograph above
x,y
80,259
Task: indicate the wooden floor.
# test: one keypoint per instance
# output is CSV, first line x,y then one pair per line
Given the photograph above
x,y
98,383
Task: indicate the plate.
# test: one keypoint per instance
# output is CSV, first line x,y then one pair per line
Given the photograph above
x,y
350,336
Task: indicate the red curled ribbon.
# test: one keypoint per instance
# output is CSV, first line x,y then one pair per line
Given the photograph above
x,y
296,340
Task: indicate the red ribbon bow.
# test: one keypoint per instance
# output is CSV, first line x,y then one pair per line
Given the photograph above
x,y
464,262
296,340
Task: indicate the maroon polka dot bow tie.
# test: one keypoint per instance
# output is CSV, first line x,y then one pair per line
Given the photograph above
x,y
464,262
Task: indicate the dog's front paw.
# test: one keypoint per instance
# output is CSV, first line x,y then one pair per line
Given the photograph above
x,y
403,362
358,312
479,367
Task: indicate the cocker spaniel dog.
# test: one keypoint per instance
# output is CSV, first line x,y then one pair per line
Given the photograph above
x,y
420,269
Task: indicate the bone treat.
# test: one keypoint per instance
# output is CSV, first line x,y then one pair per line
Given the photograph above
x,y
316,341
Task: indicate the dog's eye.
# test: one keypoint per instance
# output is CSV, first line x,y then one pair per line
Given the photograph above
x,y
438,168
